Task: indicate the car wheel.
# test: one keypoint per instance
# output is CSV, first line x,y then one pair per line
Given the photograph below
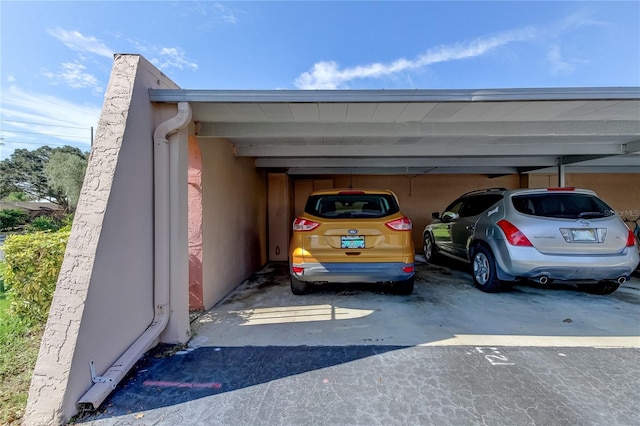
x,y
485,275
428,247
299,287
600,288
403,287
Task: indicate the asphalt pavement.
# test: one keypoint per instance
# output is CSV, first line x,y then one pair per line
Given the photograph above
x,y
348,355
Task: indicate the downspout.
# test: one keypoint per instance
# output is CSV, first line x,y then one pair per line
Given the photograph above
x,y
105,384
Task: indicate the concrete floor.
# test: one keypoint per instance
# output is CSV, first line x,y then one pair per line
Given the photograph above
x,y
445,309
446,355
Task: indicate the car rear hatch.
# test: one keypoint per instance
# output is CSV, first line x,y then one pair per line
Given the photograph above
x,y
363,240
569,223
356,226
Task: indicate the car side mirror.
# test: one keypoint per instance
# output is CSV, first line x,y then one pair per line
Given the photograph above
x,y
449,216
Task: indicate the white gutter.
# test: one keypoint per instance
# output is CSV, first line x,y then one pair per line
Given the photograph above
x,y
105,384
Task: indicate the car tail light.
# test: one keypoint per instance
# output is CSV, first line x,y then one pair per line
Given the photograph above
x,y
402,224
631,239
408,269
304,225
297,270
513,234
351,193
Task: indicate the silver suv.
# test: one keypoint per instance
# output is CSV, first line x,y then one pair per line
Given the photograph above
x,y
557,234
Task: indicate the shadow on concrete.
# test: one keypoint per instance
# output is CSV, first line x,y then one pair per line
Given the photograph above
x,y
162,378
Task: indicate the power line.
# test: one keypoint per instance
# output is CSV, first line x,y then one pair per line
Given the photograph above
x,y
43,134
36,143
44,124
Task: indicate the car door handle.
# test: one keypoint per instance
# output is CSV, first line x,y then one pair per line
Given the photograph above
x,y
469,227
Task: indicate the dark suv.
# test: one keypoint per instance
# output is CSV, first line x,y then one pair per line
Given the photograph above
x,y
555,234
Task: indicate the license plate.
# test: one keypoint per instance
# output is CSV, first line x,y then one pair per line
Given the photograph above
x,y
583,234
352,242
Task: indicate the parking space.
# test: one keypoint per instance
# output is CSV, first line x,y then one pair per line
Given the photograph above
x,y
445,309
350,355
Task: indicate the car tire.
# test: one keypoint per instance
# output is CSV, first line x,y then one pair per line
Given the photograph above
x,y
600,288
404,288
428,247
484,271
299,287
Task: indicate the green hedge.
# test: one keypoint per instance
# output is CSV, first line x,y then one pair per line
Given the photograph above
x,y
33,263
12,218
44,223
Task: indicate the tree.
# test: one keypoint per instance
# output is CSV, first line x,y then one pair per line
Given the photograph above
x,y
65,173
24,172
17,197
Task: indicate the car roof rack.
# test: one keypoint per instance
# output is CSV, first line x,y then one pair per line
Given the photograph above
x,y
480,191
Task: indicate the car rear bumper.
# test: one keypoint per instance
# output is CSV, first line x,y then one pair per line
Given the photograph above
x,y
363,272
527,262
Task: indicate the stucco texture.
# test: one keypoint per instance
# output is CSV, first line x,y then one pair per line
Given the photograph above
x,y
104,295
233,220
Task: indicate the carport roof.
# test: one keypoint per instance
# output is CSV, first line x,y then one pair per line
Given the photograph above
x,y
498,131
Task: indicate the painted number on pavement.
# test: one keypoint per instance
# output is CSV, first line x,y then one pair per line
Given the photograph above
x,y
494,356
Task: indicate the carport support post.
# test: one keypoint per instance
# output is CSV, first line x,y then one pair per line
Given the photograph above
x,y
561,180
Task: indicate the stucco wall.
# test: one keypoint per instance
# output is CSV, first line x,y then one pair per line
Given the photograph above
x,y
620,190
421,195
196,302
104,295
234,219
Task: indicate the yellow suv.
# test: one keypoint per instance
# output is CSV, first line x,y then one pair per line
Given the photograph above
x,y
352,236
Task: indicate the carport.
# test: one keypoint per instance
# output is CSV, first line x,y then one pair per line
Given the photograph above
x,y
444,141
248,159
415,132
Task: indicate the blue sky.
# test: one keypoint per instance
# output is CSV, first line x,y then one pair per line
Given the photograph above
x,y
56,56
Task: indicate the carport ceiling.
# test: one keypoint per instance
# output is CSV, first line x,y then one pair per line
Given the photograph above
x,y
502,131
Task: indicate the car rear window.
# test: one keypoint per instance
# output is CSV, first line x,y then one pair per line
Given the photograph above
x,y
352,205
565,206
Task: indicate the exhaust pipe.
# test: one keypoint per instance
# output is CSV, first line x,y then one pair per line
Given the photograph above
x,y
542,280
622,280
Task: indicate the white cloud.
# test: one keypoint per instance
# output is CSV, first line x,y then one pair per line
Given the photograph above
x,y
207,13
46,109
560,64
224,14
578,20
563,56
76,41
171,57
31,119
164,58
328,75
73,75
11,78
